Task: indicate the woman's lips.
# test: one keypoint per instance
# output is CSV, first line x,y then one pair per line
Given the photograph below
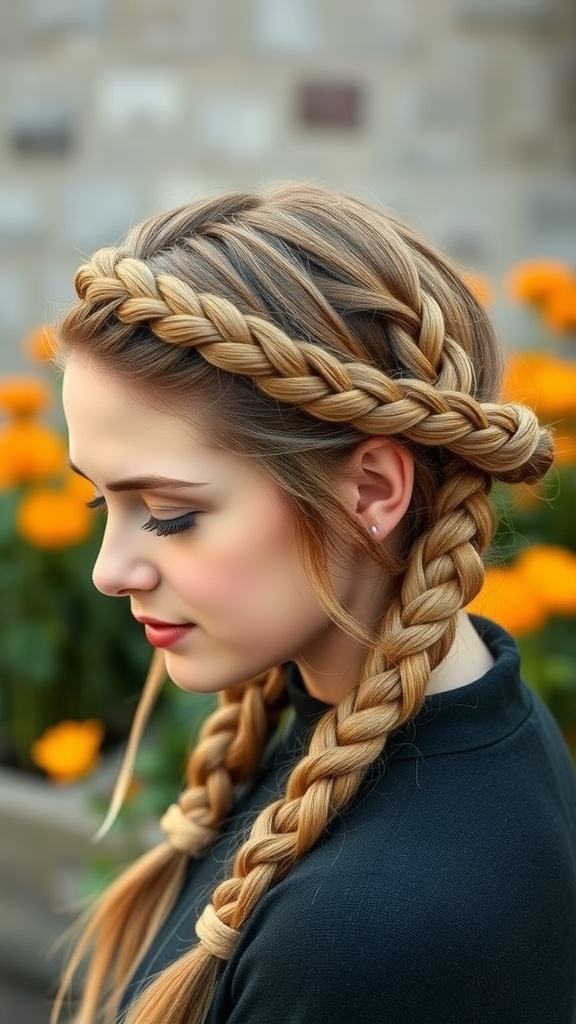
x,y
164,634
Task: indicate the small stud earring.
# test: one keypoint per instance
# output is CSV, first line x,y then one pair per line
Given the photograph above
x,y
374,530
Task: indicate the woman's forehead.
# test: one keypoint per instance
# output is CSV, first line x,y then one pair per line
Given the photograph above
x,y
115,432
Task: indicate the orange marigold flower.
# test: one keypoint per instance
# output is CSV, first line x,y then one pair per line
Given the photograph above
x,y
77,486
520,377
533,281
52,519
23,396
480,287
559,308
551,570
508,598
542,381
29,451
70,750
40,344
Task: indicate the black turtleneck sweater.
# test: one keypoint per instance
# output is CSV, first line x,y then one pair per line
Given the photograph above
x,y
446,894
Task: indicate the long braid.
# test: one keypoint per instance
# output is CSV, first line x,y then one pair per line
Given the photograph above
x,y
426,400
231,741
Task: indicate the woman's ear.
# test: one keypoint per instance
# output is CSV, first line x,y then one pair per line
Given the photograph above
x,y
378,483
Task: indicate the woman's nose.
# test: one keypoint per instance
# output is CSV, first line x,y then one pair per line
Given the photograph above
x,y
122,566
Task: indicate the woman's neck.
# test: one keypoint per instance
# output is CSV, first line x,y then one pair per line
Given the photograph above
x,y
467,660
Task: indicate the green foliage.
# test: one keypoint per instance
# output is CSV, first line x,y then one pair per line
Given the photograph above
x,y
548,518
67,651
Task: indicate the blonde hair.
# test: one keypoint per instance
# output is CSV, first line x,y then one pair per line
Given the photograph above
x,y
303,298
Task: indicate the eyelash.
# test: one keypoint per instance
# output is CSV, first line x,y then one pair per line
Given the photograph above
x,y
162,527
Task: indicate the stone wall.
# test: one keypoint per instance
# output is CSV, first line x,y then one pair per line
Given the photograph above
x,y
459,114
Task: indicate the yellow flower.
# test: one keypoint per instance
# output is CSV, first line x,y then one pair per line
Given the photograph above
x,y
23,396
29,451
480,287
559,308
551,570
534,281
542,381
70,750
509,598
520,376
40,344
77,486
52,519
520,597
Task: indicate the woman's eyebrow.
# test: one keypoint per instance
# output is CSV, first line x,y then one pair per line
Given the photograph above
x,y
142,483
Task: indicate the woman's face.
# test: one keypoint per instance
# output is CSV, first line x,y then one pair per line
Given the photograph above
x,y
207,545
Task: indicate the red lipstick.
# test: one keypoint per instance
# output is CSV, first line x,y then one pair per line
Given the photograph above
x,y
163,634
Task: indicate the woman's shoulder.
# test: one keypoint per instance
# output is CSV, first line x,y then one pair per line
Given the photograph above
x,y
439,931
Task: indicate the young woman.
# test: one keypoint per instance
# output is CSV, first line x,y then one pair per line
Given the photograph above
x,y
288,405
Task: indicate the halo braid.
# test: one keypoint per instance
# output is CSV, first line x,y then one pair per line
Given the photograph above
x,y
497,439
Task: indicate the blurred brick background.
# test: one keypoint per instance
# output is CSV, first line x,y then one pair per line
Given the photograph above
x,y
458,114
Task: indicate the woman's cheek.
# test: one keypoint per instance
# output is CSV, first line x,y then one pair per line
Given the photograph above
x,y
216,584
241,566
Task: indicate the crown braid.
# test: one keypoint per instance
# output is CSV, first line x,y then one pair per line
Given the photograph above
x,y
413,376
503,440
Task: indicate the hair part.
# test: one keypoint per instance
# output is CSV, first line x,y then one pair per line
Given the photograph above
x,y
301,321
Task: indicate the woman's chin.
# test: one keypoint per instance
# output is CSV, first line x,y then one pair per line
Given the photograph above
x,y
198,675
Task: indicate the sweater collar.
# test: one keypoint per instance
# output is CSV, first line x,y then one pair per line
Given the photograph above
x,y
480,713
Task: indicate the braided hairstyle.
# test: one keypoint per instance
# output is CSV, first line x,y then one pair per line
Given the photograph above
x,y
311,321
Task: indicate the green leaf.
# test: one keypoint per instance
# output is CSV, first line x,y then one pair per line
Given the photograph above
x,y
29,654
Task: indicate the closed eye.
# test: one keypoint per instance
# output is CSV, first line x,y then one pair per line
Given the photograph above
x,y
168,527
162,527
97,503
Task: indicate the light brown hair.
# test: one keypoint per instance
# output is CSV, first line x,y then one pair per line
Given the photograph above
x,y
307,320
